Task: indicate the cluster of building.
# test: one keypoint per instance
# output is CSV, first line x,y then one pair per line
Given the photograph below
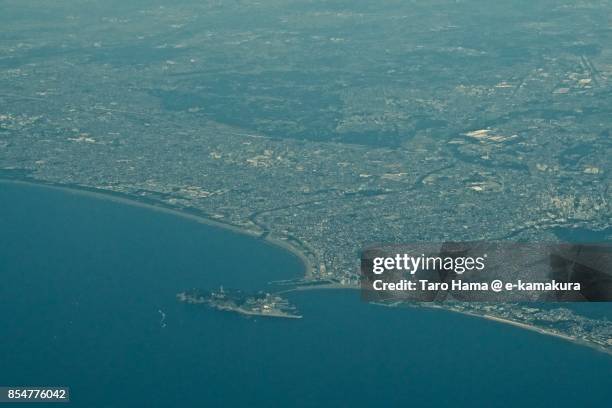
x,y
444,134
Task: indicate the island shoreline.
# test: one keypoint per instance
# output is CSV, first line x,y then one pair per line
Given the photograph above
x,y
127,199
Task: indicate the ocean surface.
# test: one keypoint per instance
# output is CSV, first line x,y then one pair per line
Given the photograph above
x,y
84,280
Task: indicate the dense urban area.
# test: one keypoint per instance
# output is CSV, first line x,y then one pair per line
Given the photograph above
x,y
296,125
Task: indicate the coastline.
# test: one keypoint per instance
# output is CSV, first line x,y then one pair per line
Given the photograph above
x,y
532,328
497,319
127,199
545,332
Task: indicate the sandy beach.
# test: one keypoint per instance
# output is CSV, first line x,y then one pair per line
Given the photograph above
x,y
165,208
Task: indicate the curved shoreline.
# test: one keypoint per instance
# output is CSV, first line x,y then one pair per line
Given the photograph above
x,y
127,199
523,326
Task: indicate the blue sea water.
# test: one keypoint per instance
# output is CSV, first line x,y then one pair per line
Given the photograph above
x,y
83,280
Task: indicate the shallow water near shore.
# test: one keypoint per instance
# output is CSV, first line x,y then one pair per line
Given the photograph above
x,y
84,281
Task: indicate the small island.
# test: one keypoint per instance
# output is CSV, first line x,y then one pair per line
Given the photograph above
x,y
231,300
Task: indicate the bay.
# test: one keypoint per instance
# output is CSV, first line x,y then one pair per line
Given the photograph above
x,y
84,281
